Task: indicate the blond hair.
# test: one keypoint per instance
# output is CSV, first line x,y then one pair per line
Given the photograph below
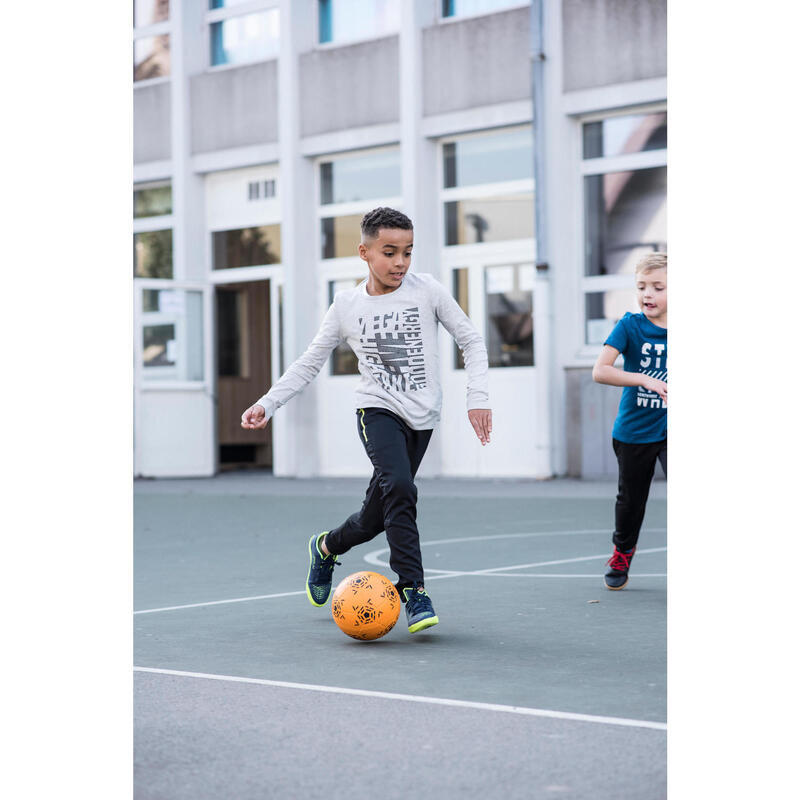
x,y
650,262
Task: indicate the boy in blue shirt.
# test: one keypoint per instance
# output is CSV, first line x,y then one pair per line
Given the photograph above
x,y
640,430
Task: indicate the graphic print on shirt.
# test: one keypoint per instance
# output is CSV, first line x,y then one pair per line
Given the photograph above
x,y
654,364
392,345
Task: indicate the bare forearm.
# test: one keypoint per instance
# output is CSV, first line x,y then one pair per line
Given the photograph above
x,y
613,376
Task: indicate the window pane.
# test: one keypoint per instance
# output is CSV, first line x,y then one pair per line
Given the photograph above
x,y
150,300
152,254
489,159
366,177
461,294
509,315
341,236
232,340
172,335
621,135
343,360
458,8
157,341
150,57
604,310
152,201
252,37
148,12
343,20
489,219
625,216
212,4
247,247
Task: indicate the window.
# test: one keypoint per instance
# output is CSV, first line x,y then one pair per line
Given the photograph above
x,y
149,12
489,219
349,186
151,39
343,360
487,187
152,254
349,20
624,211
152,230
341,236
243,38
625,215
364,177
604,309
152,200
509,315
246,247
489,158
465,8
618,136
172,334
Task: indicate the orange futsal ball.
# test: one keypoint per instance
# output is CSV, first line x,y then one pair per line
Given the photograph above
x,y
365,605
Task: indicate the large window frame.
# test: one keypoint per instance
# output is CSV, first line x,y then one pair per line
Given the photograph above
x,y
448,18
348,40
155,222
344,268
476,257
477,191
647,159
216,15
161,28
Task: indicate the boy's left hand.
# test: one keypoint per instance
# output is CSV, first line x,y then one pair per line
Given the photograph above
x,y
481,420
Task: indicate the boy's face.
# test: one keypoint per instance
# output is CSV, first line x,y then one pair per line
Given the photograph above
x,y
651,293
388,256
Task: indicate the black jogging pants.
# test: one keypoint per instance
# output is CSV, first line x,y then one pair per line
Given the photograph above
x,y
637,463
396,451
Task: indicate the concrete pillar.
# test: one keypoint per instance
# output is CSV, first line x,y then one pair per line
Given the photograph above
x,y
188,56
298,419
419,173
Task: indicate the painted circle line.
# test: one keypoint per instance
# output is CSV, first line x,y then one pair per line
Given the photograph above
x,y
374,557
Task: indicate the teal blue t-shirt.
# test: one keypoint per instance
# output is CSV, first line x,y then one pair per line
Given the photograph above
x,y
642,415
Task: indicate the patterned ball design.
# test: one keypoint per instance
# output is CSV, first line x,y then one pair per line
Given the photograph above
x,y
365,605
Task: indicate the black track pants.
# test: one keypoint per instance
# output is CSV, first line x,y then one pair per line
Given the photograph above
x,y
637,463
396,451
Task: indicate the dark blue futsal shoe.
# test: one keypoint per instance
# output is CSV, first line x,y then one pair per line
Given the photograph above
x,y
419,609
618,565
320,572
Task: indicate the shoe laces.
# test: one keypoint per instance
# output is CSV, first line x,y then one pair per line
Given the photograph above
x,y
620,561
419,600
324,568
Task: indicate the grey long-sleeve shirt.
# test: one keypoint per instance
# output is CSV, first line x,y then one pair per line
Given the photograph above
x,y
395,338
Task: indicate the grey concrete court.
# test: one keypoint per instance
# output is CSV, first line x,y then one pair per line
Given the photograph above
x,y
538,682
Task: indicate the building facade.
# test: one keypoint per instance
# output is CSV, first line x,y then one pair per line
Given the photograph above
x,y
527,141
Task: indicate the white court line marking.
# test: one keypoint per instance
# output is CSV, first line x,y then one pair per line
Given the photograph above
x,y
413,698
372,558
493,570
593,575
218,602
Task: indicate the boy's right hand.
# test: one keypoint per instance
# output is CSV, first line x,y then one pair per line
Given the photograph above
x,y
255,418
655,385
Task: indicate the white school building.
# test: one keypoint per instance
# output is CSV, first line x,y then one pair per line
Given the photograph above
x,y
527,142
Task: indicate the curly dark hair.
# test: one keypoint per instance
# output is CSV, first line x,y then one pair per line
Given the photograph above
x,y
383,217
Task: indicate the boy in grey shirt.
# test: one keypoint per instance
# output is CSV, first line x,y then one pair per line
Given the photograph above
x,y
390,321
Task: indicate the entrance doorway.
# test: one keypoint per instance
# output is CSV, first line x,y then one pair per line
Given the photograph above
x,y
243,372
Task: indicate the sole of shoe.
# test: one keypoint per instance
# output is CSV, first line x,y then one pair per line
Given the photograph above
x,y
312,542
617,588
428,622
